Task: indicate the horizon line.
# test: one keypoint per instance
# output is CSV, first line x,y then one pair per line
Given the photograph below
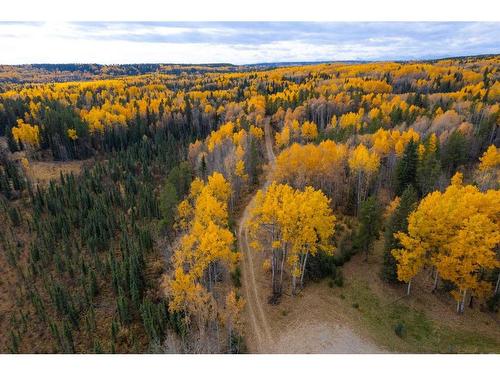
x,y
297,62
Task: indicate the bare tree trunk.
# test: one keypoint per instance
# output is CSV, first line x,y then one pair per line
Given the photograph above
x,y
273,263
303,270
409,288
273,267
283,255
462,307
436,279
461,302
492,135
498,283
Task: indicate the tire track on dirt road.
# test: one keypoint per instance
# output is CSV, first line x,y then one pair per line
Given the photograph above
x,y
260,327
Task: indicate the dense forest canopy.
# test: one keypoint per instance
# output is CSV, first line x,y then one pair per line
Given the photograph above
x,y
140,247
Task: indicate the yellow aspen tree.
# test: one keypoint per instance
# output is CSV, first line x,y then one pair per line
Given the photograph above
x,y
456,232
72,134
188,296
232,314
322,166
421,151
297,224
309,131
313,230
207,244
381,143
351,120
266,216
256,132
488,174
472,250
432,144
282,139
28,134
295,129
391,207
363,163
399,147
490,159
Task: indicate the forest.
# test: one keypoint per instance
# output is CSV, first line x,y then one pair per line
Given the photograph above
x,y
202,208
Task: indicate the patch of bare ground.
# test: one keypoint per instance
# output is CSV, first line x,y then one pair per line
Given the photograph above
x,y
311,321
41,172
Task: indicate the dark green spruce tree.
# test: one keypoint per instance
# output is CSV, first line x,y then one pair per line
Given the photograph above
x,y
406,170
397,222
370,223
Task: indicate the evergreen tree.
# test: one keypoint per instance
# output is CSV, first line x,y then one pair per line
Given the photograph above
x,y
254,163
168,205
203,168
180,177
428,173
397,222
370,223
406,170
455,152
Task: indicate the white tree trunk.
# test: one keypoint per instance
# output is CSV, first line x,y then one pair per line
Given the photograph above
x,y
273,268
436,279
461,302
462,307
303,270
283,255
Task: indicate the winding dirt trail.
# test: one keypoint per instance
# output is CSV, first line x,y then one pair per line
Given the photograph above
x,y
261,339
307,323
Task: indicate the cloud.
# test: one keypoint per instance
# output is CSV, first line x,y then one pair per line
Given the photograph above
x,y
241,42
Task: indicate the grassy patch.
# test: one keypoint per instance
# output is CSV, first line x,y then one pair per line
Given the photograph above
x,y
384,319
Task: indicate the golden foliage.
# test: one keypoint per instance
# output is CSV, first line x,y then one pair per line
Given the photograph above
x,y
457,232
309,131
310,164
300,223
490,158
208,240
362,160
26,133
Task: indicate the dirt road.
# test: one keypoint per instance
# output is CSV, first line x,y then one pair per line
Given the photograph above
x,y
300,324
260,332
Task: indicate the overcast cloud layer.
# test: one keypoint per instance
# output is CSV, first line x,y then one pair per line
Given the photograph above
x,y
240,42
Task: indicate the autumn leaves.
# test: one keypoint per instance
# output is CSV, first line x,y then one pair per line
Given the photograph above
x,y
456,233
295,225
384,142
206,245
28,134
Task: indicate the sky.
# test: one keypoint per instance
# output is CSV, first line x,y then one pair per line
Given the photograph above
x,y
241,42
